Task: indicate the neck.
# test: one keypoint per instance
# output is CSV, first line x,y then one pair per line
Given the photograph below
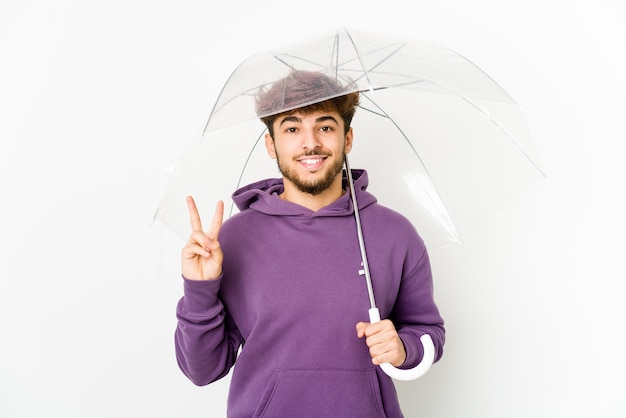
x,y
312,202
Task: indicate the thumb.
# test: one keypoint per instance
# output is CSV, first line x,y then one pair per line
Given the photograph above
x,y
360,329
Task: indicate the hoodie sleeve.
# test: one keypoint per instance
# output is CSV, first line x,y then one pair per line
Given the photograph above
x,y
416,313
206,343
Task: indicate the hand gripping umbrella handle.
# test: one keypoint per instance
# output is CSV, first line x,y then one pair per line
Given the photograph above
x,y
415,372
374,314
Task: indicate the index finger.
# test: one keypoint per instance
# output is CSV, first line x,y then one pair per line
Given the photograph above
x,y
194,216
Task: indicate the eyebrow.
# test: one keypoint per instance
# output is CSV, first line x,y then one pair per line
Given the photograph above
x,y
293,118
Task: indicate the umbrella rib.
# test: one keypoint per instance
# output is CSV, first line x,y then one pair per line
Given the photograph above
x,y
380,62
384,114
506,134
365,70
245,166
317,64
336,54
282,61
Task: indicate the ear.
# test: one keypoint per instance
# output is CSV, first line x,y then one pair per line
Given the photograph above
x,y
269,146
348,141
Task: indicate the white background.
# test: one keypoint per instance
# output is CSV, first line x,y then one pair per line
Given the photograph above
x,y
98,99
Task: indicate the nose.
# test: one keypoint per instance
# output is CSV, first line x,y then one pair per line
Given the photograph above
x,y
310,139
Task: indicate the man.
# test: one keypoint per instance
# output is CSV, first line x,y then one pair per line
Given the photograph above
x,y
281,279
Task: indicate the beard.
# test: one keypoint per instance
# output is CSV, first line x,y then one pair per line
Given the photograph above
x,y
316,186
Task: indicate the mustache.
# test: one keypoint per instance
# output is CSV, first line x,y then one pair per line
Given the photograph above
x,y
312,153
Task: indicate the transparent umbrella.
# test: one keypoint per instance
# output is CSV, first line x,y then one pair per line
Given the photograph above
x,y
442,142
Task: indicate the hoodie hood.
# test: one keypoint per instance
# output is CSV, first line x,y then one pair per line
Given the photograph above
x,y
262,196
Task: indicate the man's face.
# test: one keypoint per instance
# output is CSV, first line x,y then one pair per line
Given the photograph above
x,y
309,149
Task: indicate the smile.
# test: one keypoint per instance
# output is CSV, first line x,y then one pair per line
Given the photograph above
x,y
312,162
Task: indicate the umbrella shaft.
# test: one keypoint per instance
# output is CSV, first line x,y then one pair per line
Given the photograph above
x,y
359,230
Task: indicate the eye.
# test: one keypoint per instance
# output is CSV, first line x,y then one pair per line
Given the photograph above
x,y
327,128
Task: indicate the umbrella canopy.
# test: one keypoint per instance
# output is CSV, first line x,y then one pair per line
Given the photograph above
x,y
444,144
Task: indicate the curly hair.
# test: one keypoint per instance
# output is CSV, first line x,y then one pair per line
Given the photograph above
x,y
305,92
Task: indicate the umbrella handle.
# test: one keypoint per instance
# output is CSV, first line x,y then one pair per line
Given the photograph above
x,y
417,371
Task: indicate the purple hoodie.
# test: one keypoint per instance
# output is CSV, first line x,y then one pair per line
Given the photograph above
x,y
290,296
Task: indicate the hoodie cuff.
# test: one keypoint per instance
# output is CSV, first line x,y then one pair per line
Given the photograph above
x,y
414,352
201,295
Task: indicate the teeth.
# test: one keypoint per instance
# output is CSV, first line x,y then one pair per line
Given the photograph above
x,y
311,160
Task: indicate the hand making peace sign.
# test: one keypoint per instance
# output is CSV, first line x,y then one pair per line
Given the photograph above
x,y
202,255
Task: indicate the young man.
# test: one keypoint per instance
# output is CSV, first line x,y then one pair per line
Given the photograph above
x,y
281,279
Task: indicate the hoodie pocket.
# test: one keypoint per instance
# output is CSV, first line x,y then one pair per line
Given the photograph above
x,y
322,393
